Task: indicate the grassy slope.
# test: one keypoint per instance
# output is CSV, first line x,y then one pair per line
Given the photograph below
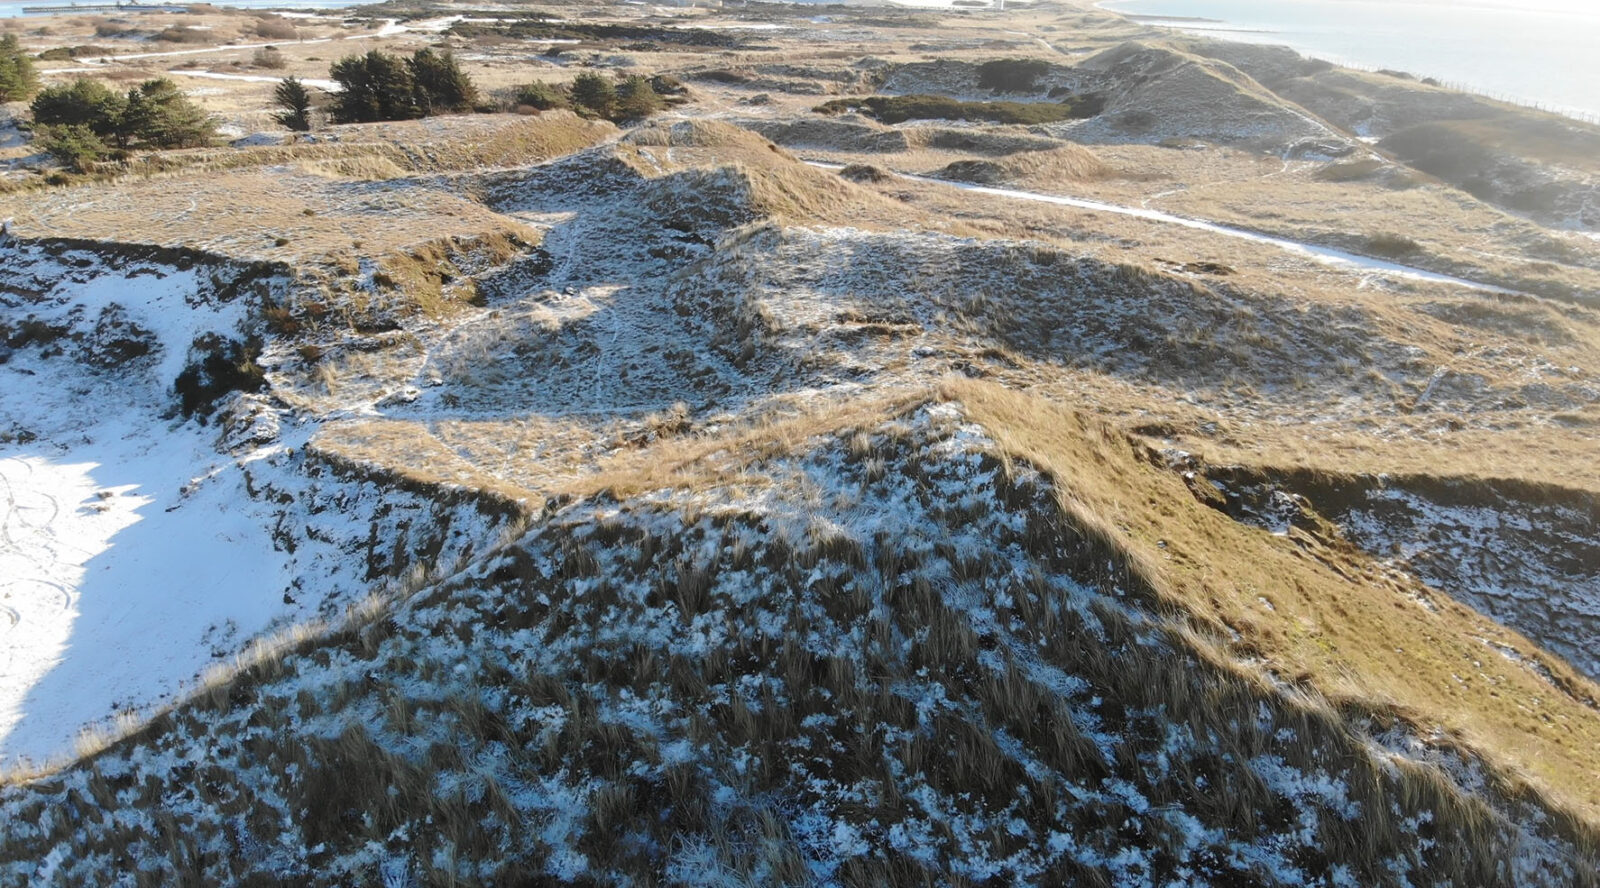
x,y
783,684
1335,622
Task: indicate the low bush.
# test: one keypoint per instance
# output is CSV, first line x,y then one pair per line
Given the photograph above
x,y
269,57
68,53
277,28
185,34
1011,75
75,146
594,95
899,109
636,99
539,96
1392,246
112,28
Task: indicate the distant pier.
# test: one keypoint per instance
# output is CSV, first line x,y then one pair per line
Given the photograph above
x,y
104,7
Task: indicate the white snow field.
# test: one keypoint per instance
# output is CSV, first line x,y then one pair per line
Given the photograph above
x,y
136,551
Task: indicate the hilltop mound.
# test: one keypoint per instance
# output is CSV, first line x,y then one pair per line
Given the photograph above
x,y
1528,161
1068,163
1154,93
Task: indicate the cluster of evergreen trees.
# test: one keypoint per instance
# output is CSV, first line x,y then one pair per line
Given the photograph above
x,y
379,86
594,95
85,120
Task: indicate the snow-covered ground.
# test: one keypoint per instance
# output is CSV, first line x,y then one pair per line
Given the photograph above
x,y
131,554
326,85
136,549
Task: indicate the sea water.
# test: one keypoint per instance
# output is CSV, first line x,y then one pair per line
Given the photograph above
x,y
1535,52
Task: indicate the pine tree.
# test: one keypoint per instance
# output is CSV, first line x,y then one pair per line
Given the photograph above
x,y
159,115
18,79
440,84
594,94
75,145
636,99
292,96
375,86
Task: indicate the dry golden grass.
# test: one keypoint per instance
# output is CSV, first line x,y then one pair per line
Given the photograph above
x,y
408,453
534,457
276,215
1054,169
1338,623
1541,454
1456,233
695,462
780,186
309,202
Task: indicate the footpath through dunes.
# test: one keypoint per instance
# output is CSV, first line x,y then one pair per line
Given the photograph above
x,y
970,175
729,518
889,650
1188,136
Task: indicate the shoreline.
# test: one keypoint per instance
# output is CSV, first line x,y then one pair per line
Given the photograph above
x,y
1191,25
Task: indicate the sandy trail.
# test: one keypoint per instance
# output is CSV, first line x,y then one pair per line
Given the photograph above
x,y
1324,255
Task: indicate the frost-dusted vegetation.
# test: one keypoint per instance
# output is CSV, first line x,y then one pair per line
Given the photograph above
x,y
913,670
1084,466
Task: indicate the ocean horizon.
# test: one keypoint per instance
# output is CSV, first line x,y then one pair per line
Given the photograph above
x,y
1543,53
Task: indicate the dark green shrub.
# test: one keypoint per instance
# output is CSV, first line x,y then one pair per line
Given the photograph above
x,y
379,86
636,99
155,114
158,115
375,86
540,96
81,103
593,95
75,146
1011,75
